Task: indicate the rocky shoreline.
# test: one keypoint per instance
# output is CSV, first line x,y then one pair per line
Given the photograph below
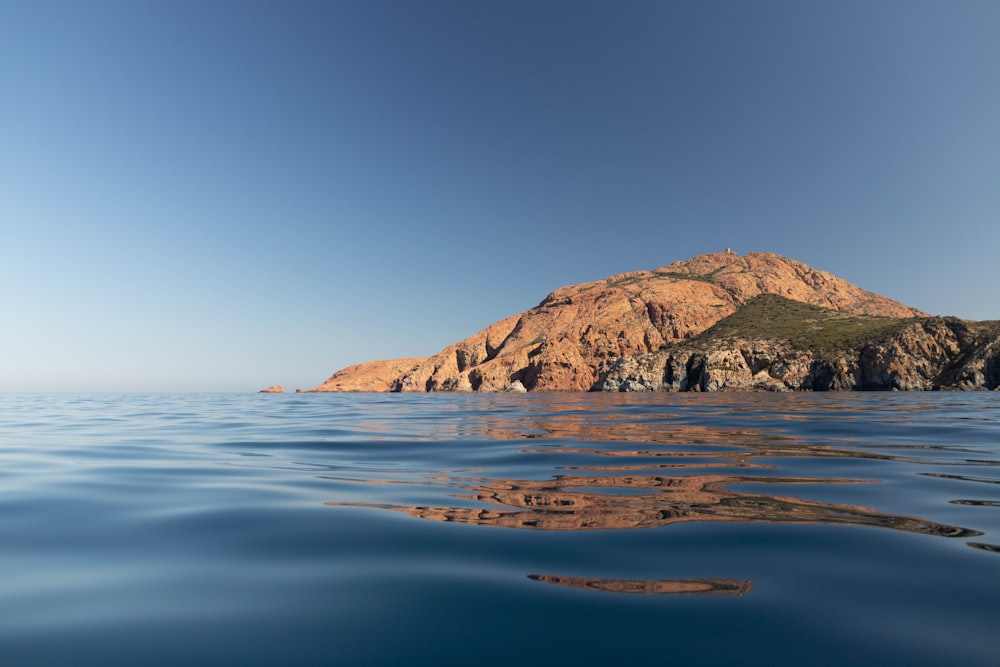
x,y
716,322
928,354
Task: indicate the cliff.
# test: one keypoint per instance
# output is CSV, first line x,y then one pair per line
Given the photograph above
x,y
776,344
377,376
646,330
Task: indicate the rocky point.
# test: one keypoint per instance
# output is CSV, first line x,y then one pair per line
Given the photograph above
x,y
660,331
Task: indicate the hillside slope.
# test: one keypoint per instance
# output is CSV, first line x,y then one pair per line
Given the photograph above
x,y
561,344
776,344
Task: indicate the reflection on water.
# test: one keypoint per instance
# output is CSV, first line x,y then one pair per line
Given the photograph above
x,y
650,586
191,529
964,478
573,502
706,466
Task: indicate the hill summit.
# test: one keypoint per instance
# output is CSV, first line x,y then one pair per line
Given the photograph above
x,y
570,340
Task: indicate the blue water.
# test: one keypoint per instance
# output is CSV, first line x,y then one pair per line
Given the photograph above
x,y
742,529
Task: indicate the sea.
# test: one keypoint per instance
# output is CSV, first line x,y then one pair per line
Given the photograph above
x,y
500,529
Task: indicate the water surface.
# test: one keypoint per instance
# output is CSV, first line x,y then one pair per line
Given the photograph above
x,y
538,529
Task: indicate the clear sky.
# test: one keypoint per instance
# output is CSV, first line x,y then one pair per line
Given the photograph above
x,y
210,195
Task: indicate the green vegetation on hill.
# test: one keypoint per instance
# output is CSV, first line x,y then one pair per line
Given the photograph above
x,y
685,276
804,326
990,328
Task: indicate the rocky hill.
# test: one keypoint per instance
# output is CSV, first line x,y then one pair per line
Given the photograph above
x,y
777,344
696,325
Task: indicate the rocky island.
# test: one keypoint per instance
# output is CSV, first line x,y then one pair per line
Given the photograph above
x,y
716,322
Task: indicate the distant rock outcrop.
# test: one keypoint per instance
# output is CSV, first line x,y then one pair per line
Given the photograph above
x,y
588,336
273,389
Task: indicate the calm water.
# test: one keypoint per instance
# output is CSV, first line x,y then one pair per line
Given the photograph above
x,y
539,529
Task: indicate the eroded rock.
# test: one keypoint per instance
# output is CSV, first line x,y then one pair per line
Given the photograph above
x,y
622,334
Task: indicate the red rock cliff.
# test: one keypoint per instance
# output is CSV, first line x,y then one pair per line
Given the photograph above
x,y
559,344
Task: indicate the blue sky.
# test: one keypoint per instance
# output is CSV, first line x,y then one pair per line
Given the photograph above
x,y
213,195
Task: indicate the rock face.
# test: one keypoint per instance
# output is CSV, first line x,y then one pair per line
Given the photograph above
x,y
370,376
273,389
926,355
573,338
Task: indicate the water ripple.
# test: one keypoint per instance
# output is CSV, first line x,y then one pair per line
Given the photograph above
x,y
249,524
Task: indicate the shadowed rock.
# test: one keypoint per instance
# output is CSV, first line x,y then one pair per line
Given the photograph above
x,y
563,343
